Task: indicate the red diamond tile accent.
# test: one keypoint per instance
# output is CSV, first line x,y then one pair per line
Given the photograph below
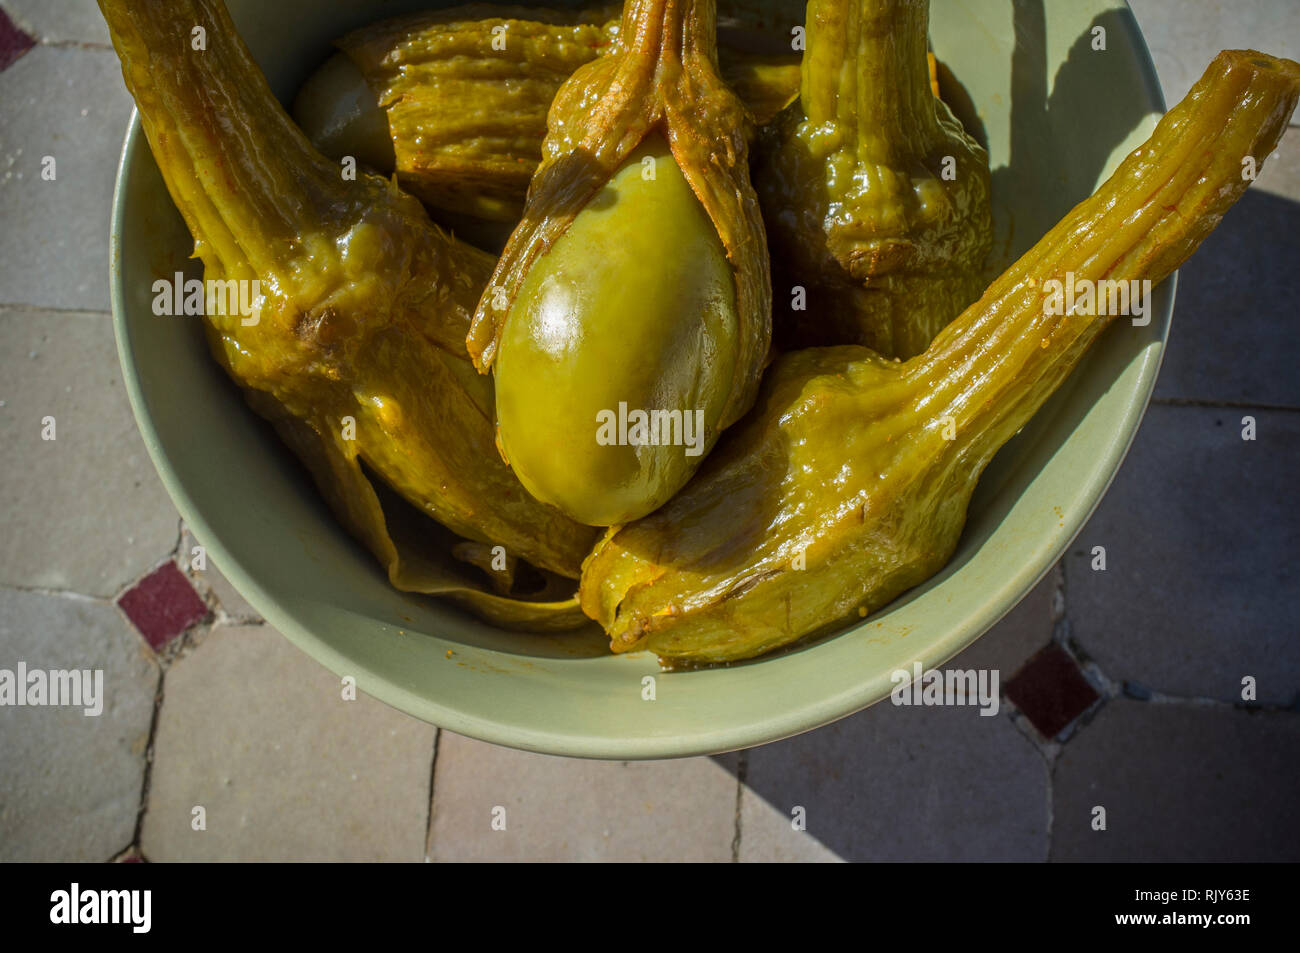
x,y
1051,690
13,41
162,605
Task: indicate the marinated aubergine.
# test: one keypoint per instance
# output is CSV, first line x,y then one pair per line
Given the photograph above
x,y
628,319
356,350
849,482
876,200
455,101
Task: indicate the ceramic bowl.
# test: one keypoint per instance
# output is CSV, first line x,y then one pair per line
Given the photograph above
x,y
1057,115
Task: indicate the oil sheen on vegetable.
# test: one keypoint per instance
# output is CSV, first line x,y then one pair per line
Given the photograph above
x,y
629,320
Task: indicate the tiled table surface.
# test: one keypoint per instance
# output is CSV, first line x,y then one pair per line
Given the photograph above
x,y
1122,688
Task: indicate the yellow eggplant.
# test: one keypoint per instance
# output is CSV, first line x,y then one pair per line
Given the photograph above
x,y
356,348
876,200
454,101
848,483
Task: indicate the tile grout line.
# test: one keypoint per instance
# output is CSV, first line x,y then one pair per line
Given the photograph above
x,y
1058,614
742,773
163,660
1060,609
1049,749
44,309
1104,686
1110,689
123,588
147,781
1199,701
1051,810
58,593
1113,688
433,771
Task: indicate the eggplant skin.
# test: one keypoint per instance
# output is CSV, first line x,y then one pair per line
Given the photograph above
x,y
686,343
876,200
806,480
465,92
572,355
455,100
356,349
848,483
661,77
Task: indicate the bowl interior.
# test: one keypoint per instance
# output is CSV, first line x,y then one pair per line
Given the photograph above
x,y
1057,116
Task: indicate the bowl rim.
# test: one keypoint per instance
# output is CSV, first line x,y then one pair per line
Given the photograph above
x,y
774,727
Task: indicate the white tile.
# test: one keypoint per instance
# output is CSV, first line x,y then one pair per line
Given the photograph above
x,y
70,786
85,511
260,736
570,809
70,105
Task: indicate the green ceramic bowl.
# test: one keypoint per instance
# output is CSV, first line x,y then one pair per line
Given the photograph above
x,y
1057,116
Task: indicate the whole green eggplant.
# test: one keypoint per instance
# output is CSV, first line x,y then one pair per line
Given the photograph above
x,y
628,320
